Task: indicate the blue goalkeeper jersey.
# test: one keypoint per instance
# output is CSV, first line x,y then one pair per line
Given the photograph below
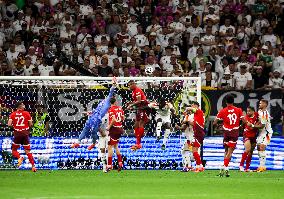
x,y
102,108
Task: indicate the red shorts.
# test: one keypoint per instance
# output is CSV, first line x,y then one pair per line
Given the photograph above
x,y
251,139
142,115
199,135
114,134
231,138
21,138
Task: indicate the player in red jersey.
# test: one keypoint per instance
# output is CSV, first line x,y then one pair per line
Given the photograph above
x,y
140,102
231,117
21,121
198,134
250,131
116,117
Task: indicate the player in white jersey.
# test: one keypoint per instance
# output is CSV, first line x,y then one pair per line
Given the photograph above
x,y
265,134
163,118
102,142
186,149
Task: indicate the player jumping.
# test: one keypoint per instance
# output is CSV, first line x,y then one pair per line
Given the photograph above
x,y
163,118
265,134
196,140
95,120
231,117
21,121
116,117
186,150
249,138
140,102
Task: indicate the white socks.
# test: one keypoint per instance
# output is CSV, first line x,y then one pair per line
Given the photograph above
x,y
262,158
159,128
186,158
166,136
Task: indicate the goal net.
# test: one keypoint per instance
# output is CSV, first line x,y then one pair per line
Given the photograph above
x,y
65,99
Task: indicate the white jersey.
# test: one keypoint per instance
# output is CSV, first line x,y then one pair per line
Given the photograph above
x,y
103,124
189,130
165,111
264,118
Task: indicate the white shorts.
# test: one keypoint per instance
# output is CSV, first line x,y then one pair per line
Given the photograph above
x,y
186,147
103,142
263,139
165,119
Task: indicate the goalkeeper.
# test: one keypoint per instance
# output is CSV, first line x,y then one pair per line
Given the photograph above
x,y
95,119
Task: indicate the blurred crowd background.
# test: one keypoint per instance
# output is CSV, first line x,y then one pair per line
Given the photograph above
x,y
230,44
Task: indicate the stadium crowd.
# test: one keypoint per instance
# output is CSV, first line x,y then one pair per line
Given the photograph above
x,y
231,44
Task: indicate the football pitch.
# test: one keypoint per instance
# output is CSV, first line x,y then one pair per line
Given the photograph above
x,y
139,184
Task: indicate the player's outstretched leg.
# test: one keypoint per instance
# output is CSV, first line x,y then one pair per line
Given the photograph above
x,y
199,166
262,158
119,158
109,160
139,133
16,154
103,159
249,157
186,161
166,136
30,157
95,137
83,134
227,158
159,128
246,153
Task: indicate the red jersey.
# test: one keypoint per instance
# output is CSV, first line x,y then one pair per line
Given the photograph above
x,y
231,117
199,118
250,132
20,120
138,92
116,112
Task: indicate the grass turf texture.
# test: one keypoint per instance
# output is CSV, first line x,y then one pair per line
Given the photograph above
x,y
139,185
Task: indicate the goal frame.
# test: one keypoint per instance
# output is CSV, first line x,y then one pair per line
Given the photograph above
x,y
88,78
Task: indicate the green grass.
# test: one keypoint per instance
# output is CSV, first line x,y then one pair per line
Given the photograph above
x,y
139,185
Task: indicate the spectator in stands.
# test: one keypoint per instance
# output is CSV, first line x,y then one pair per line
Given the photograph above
x,y
208,80
104,70
243,79
260,81
275,82
226,82
169,33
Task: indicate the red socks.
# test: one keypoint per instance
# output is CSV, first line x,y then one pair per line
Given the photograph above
x,y
15,153
249,157
244,157
119,158
226,162
139,133
109,161
31,158
197,158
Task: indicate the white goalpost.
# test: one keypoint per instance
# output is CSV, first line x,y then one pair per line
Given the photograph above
x,y
67,97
